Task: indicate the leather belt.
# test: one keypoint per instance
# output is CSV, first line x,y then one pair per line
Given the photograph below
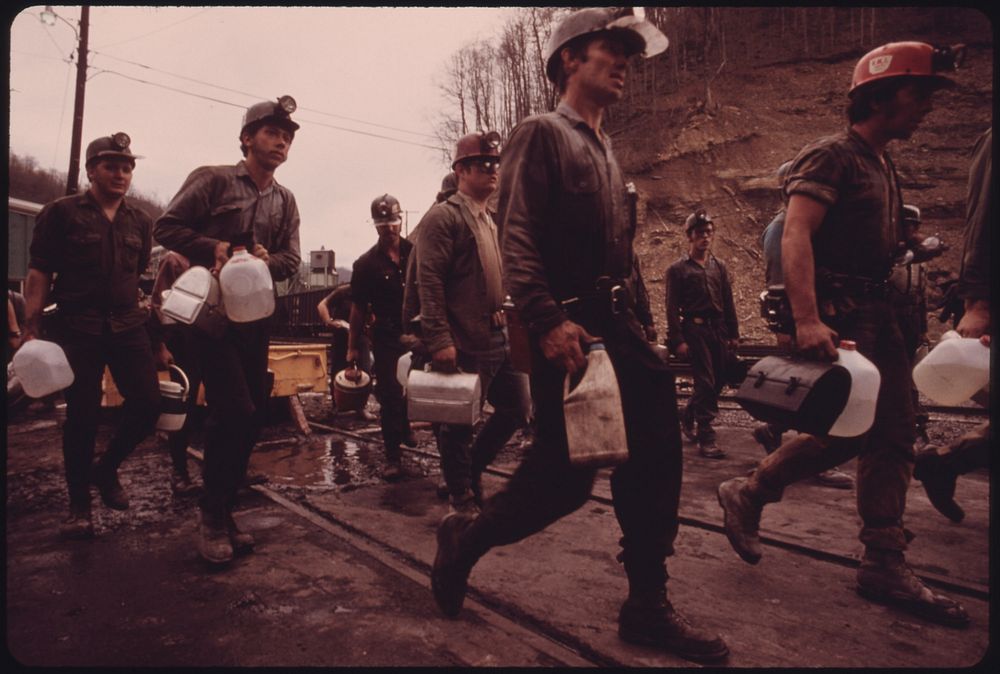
x,y
609,296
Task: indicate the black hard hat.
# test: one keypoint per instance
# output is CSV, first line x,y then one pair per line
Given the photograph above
x,y
273,112
697,219
386,210
116,145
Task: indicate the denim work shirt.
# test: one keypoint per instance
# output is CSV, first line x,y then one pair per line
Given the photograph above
x,y
862,226
222,203
378,281
564,222
697,291
96,262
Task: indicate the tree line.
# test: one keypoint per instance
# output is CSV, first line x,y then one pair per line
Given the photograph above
x,y
495,84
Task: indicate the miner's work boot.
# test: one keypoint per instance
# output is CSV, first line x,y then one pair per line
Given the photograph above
x,y
112,493
741,519
241,541
652,621
79,525
452,563
214,545
885,577
939,478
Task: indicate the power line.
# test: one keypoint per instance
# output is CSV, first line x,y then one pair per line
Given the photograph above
x,y
238,105
162,28
244,93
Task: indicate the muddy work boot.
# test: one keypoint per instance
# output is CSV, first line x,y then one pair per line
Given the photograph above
x,y
741,519
709,450
181,484
886,578
112,493
214,545
687,428
653,621
241,541
79,525
765,436
939,479
452,564
393,465
464,503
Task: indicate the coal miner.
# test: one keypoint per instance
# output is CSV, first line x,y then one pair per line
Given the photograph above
x,y
701,327
96,245
377,288
567,240
460,287
841,231
216,209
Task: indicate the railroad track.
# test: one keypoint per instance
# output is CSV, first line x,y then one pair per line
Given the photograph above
x,y
944,583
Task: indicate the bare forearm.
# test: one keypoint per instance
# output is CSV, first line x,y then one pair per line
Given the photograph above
x,y
36,294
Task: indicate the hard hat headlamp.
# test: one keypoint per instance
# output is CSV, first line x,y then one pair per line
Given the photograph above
x,y
287,104
121,140
489,141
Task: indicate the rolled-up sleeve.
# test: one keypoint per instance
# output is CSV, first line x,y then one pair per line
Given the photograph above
x,y
525,183
815,173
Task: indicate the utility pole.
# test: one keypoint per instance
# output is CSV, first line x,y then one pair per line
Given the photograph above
x,y
72,180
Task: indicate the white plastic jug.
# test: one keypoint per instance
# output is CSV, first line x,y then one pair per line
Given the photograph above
x,y
173,402
859,412
403,368
595,424
247,288
42,368
954,371
195,299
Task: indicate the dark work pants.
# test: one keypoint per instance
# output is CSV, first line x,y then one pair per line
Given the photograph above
x,y
388,392
234,369
129,357
707,353
463,459
182,344
885,454
646,488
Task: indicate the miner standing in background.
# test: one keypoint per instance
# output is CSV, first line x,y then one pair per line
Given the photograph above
x,y
701,327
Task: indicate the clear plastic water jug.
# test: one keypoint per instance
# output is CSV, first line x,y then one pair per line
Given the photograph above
x,y
954,370
42,368
247,289
859,412
595,424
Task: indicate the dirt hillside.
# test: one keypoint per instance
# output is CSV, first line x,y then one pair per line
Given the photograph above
x,y
680,156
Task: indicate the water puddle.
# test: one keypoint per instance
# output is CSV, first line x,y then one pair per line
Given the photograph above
x,y
317,461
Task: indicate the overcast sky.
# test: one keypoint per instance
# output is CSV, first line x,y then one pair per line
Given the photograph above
x,y
379,65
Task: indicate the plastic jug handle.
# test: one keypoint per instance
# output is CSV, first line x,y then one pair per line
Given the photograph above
x,y
184,379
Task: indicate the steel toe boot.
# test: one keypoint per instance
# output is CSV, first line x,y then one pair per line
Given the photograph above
x,y
709,450
834,478
653,621
885,577
214,545
741,518
453,562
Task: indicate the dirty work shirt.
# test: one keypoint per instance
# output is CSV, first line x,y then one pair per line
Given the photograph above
x,y
222,203
702,292
485,232
861,191
378,281
97,262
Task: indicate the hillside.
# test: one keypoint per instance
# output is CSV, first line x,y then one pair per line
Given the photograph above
x,y
682,157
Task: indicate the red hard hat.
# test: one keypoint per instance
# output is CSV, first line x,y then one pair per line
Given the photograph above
x,y
912,59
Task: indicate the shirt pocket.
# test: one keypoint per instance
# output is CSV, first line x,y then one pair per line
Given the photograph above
x,y
84,250
224,222
131,250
